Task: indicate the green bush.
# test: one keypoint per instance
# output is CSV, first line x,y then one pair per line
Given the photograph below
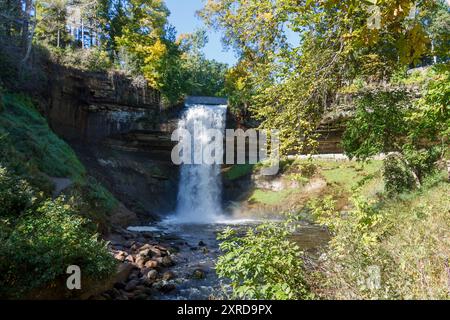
x,y
96,202
397,176
44,243
15,194
408,170
94,60
263,263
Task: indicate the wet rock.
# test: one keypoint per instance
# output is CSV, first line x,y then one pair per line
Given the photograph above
x,y
121,256
156,252
199,274
128,295
140,289
130,258
151,264
146,253
173,249
140,261
145,247
134,275
168,275
161,249
131,285
166,287
130,243
141,296
120,285
167,261
152,275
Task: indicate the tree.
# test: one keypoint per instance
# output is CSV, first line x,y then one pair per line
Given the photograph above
x,y
437,26
51,22
394,120
292,85
204,77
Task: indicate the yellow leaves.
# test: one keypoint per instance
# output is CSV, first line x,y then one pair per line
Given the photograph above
x,y
267,16
413,45
153,56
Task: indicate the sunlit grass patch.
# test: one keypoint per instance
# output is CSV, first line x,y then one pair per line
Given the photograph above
x,y
238,171
270,197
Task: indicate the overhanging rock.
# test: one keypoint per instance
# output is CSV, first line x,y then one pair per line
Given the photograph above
x,y
206,100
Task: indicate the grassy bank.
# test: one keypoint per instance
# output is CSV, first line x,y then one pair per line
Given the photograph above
x,y
40,236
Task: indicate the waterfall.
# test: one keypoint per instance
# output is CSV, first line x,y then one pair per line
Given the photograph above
x,y
200,186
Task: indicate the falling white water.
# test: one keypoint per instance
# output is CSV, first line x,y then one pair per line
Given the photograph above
x,y
200,189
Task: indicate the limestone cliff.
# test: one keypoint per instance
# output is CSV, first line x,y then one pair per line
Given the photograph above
x,y
117,128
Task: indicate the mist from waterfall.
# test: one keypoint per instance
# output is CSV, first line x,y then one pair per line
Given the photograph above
x,y
200,186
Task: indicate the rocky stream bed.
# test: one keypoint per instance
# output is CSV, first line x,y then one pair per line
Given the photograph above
x,y
176,262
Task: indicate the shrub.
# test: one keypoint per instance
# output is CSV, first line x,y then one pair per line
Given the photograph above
x,y
397,175
262,264
95,196
15,194
94,59
406,171
44,243
387,250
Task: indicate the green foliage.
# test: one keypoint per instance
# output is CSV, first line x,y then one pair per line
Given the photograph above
x,y
388,250
238,171
31,149
397,175
92,59
270,197
27,139
288,86
263,263
15,195
415,129
379,124
51,18
437,26
206,77
431,117
94,200
43,243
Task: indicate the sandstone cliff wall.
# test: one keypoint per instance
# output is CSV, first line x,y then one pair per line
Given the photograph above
x,y
92,106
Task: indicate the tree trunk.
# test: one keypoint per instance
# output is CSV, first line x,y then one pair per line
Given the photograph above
x,y
26,23
82,33
27,35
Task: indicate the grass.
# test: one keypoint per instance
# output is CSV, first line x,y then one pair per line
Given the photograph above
x,y
25,138
270,197
348,174
238,171
406,237
341,177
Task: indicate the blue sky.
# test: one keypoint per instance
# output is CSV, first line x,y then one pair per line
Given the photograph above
x,y
182,16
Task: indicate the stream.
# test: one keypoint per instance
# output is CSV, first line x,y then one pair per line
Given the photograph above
x,y
197,249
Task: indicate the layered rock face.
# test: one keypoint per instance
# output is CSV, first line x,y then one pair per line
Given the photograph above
x,y
119,132
92,106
